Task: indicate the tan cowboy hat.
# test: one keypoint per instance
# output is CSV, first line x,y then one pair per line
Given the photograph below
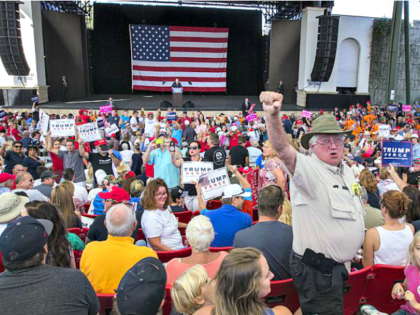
x,y
324,124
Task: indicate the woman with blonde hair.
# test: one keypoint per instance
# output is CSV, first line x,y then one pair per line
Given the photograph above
x,y
192,290
200,234
369,181
286,214
78,204
242,281
62,197
272,173
386,183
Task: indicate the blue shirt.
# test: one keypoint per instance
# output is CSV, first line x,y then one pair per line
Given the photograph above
x,y
164,168
177,134
416,151
226,221
260,162
126,120
98,205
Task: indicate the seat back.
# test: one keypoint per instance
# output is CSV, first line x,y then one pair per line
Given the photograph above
x,y
221,249
379,287
283,292
167,306
77,258
140,235
76,231
1,264
84,234
165,256
106,302
87,220
353,290
184,217
213,204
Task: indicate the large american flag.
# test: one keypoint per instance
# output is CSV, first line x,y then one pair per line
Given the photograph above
x,y
164,53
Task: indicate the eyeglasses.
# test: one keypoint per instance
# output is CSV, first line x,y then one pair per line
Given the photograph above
x,y
18,146
337,140
193,148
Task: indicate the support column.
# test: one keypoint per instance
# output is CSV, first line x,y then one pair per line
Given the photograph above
x,y
407,52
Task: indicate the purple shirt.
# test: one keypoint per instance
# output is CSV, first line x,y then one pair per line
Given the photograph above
x,y
413,282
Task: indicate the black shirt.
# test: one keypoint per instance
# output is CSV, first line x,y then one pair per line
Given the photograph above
x,y
100,162
413,178
137,159
12,159
32,165
189,187
217,155
177,209
238,155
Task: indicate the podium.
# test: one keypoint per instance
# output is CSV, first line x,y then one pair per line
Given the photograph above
x,y
177,96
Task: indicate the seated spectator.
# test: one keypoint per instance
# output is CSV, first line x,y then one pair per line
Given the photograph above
x,y
242,281
159,224
261,235
98,231
80,193
118,251
229,219
286,212
60,252
388,244
97,205
31,162
24,250
25,183
368,180
142,289
10,207
254,152
48,182
192,290
200,234
62,197
177,197
6,182
39,170
385,181
373,217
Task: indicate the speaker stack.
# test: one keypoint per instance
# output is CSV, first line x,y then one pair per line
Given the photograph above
x,y
11,49
188,104
326,48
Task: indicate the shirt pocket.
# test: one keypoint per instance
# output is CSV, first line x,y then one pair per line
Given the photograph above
x,y
342,204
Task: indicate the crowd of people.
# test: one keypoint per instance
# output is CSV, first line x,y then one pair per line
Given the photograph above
x,y
321,206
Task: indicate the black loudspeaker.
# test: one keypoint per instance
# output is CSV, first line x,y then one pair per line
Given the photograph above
x,y
188,104
165,104
326,48
11,50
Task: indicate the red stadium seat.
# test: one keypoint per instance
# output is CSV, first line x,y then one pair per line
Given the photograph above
x,y
353,290
184,217
221,249
77,257
1,264
82,233
183,231
86,206
213,204
165,256
76,231
140,235
379,287
106,302
167,307
283,292
255,216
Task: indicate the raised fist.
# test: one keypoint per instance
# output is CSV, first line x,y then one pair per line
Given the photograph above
x,y
272,102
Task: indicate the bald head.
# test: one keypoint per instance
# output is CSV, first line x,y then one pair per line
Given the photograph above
x,y
120,220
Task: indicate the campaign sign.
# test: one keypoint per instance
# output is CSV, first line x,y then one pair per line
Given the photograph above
x,y
100,123
252,178
191,171
384,131
214,183
45,122
106,109
397,153
89,132
306,113
2,114
112,129
252,117
35,99
251,108
171,116
406,108
62,127
392,108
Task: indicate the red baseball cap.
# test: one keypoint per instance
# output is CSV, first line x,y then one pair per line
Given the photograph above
x,y
116,193
100,142
129,174
4,177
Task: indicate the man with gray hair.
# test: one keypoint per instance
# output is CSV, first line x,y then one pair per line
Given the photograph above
x,y
105,263
328,225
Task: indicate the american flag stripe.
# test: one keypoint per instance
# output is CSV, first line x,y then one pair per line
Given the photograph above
x,y
195,54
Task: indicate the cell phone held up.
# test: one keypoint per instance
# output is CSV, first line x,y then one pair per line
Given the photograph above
x,y
172,146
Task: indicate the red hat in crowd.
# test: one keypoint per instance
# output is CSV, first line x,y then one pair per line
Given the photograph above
x,y
116,193
2,129
299,122
129,174
113,135
149,113
100,142
4,177
285,117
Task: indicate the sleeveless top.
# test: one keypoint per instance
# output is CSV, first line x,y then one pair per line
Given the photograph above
x,y
393,248
268,311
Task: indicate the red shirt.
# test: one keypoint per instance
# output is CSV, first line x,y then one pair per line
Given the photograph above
x,y
85,119
234,140
57,162
15,134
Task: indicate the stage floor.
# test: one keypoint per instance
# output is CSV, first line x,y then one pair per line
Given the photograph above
x,y
218,103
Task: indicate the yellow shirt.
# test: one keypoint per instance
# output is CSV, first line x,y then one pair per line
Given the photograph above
x,y
105,263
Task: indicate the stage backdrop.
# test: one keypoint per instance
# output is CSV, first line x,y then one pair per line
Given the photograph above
x,y
195,55
111,69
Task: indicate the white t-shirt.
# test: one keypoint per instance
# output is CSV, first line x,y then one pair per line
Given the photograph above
x,y
253,153
133,124
80,193
126,156
33,194
150,126
93,193
162,223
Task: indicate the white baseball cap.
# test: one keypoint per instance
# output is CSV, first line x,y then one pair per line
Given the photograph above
x,y
187,122
414,135
235,190
233,128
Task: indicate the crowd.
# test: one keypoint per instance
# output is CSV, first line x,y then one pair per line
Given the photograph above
x,y
321,206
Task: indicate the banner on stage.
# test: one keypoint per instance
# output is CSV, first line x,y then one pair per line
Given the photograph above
x,y
62,127
406,108
112,129
89,132
106,109
2,114
214,183
191,171
384,131
252,117
397,153
306,113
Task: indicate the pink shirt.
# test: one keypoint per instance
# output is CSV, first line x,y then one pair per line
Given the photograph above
x,y
413,285
266,175
174,268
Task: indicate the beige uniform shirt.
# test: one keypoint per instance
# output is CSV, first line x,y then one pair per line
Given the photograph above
x,y
327,211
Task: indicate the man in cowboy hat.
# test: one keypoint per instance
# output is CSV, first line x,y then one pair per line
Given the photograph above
x,y
328,226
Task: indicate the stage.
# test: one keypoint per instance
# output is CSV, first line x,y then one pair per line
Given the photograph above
x,y
208,103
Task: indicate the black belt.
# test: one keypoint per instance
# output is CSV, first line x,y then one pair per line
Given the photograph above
x,y
318,261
